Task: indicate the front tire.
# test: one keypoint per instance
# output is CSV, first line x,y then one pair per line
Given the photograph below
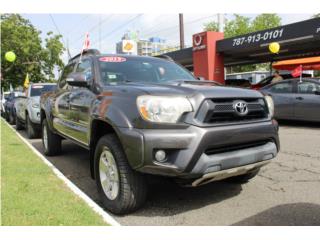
x,y
121,189
51,142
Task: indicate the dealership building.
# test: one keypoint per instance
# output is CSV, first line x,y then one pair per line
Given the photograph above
x,y
211,53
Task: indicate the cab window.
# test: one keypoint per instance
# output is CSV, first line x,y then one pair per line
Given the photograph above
x,y
284,87
66,71
85,67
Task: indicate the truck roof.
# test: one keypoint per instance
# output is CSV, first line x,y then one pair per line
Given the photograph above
x,y
96,53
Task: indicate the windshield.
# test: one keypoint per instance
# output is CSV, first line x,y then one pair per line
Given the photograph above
x,y
6,95
37,90
121,69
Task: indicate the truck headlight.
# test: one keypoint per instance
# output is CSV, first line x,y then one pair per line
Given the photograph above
x,y
163,109
270,104
35,105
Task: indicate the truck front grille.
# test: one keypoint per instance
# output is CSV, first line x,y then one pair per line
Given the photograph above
x,y
235,147
223,111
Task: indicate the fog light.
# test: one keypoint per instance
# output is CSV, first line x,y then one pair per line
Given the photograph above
x,y
160,156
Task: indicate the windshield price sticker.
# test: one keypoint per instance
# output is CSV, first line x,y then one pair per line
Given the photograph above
x,y
37,86
112,59
258,37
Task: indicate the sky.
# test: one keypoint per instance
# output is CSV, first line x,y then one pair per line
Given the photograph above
x,y
112,27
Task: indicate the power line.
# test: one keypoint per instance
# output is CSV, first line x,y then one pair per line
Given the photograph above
x,y
93,27
64,43
154,26
78,24
100,22
176,26
119,27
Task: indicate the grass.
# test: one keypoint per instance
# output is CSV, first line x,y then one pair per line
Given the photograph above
x,y
30,192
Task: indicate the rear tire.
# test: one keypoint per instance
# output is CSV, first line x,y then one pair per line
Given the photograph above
x,y
11,118
6,116
110,166
244,178
19,125
30,128
51,142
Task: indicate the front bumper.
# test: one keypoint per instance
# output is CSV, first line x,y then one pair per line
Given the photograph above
x,y
227,173
195,151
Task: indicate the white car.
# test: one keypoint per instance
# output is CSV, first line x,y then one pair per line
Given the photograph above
x,y
27,108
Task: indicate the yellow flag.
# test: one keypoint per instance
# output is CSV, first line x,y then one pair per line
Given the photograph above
x,y
26,81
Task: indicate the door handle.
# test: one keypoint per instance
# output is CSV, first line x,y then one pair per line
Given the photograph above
x,y
299,98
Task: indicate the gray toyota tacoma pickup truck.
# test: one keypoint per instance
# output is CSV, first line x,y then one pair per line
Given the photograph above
x,y
142,116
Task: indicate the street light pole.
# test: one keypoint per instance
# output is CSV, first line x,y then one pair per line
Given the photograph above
x,y
181,27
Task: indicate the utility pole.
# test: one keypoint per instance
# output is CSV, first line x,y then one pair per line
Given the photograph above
x,y
100,32
181,27
221,22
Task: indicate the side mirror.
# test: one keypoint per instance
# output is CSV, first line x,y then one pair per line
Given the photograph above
x,y
77,79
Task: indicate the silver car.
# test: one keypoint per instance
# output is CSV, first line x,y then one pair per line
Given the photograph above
x,y
295,99
27,108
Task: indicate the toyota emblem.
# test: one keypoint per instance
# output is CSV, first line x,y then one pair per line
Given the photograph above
x,y
241,108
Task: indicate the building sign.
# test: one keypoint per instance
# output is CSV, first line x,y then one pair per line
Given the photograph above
x,y
198,43
305,30
129,46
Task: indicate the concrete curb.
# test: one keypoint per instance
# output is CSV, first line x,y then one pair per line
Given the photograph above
x,y
106,217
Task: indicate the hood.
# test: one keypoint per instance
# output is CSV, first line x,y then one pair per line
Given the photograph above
x,y
35,99
207,89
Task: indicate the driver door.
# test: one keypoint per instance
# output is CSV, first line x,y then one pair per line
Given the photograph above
x,y
283,96
80,102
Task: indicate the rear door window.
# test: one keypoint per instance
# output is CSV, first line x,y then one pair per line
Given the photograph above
x,y
308,87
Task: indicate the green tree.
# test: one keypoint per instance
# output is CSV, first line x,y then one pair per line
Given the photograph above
x,y
238,26
52,52
265,21
211,26
317,15
33,56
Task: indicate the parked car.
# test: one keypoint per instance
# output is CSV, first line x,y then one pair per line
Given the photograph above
x,y
4,96
9,111
295,99
27,108
268,80
141,116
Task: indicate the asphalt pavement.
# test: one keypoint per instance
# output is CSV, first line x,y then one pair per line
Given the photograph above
x,y
286,192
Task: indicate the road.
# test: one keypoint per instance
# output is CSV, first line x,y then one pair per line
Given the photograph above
x,y
286,192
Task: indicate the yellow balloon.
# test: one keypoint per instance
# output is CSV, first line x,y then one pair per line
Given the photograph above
x,y
10,56
274,47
